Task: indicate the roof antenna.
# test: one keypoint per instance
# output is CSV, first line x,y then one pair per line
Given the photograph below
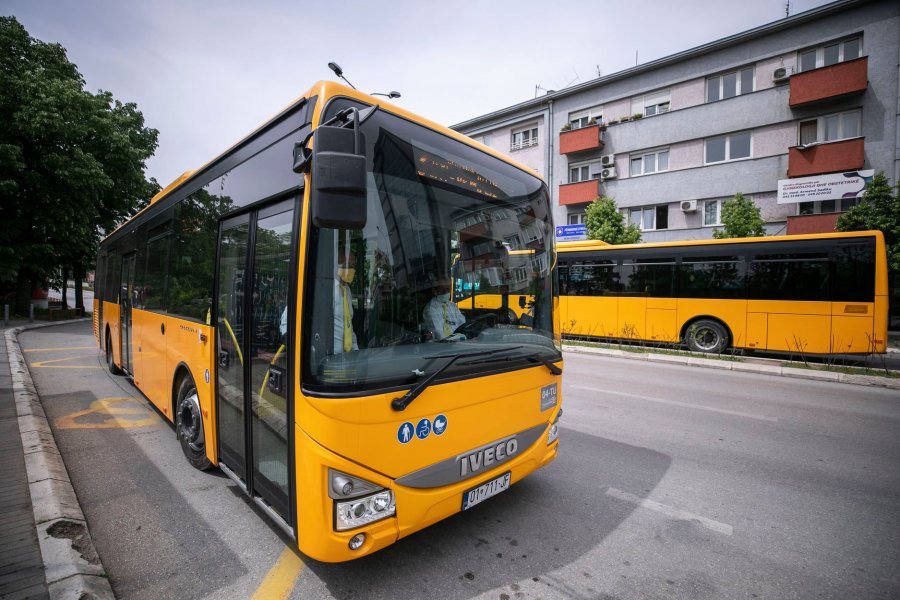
x,y
339,72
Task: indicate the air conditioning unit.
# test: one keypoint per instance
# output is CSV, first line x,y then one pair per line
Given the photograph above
x,y
782,74
608,173
688,206
607,160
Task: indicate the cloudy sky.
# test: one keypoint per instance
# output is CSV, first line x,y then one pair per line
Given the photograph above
x,y
205,73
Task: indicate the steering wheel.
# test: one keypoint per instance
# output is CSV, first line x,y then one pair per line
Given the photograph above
x,y
473,328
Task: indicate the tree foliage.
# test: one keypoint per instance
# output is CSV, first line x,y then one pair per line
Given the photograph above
x,y
71,162
740,218
605,222
879,209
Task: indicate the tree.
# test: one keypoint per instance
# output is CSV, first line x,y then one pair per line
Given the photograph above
x,y
740,218
71,162
605,222
879,209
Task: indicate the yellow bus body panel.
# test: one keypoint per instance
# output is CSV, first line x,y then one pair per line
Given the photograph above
x,y
661,325
156,379
363,431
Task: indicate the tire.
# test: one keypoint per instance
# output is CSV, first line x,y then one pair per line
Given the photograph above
x,y
706,336
110,361
189,425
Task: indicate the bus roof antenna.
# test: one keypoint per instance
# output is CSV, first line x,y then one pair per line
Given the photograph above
x,y
339,72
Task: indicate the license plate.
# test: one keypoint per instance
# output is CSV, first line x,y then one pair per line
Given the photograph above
x,y
485,490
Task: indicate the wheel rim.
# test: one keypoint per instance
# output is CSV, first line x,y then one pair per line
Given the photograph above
x,y
190,422
706,339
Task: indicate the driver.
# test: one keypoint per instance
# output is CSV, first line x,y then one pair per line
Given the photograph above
x,y
442,315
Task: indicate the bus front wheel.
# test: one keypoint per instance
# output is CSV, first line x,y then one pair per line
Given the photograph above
x,y
706,336
189,425
110,361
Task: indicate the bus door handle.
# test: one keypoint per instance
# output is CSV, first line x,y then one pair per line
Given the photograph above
x,y
162,328
276,380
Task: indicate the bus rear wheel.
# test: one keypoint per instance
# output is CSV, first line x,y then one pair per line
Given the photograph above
x,y
706,336
189,425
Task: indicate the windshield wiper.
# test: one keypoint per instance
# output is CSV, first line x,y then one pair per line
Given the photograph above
x,y
406,399
530,357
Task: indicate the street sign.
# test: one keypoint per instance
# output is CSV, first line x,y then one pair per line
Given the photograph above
x,y
571,233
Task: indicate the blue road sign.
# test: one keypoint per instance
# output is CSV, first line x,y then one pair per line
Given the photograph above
x,y
571,233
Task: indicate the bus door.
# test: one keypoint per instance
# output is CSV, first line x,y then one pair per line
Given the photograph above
x,y
253,354
126,296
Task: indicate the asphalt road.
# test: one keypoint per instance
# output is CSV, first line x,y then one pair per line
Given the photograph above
x,y
672,482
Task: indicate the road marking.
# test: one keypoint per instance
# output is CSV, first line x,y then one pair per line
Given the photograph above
x,y
681,404
670,511
280,580
94,347
109,413
45,364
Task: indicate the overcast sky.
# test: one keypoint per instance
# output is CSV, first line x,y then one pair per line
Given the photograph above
x,y
206,73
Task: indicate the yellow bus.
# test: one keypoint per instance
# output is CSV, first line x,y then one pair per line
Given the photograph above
x,y
271,305
810,294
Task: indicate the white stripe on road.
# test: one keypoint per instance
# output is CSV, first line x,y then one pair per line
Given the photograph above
x,y
670,511
681,404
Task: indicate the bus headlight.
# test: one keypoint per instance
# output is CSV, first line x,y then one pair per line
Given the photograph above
x,y
553,434
361,511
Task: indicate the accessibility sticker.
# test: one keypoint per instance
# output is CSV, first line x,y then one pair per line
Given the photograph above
x,y
440,425
404,433
423,429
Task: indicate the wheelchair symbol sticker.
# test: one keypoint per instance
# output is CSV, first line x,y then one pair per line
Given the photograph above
x,y
423,429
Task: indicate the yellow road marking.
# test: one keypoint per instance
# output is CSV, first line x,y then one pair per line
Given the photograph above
x,y
45,364
94,347
109,413
281,578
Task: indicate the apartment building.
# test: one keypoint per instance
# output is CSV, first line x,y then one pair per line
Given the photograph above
x,y
795,114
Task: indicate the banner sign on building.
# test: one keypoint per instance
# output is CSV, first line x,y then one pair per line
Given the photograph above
x,y
824,187
571,233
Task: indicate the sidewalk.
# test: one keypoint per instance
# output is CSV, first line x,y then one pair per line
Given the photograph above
x,y
45,548
21,563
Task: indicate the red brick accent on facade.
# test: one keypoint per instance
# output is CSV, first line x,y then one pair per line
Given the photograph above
x,y
831,157
580,140
826,83
578,193
826,223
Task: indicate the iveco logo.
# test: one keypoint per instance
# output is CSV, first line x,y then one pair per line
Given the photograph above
x,y
484,457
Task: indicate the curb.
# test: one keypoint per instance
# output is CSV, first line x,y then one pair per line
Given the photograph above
x,y
72,566
743,367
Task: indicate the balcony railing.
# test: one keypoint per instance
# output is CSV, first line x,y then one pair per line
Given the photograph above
x,y
580,192
827,83
580,140
829,157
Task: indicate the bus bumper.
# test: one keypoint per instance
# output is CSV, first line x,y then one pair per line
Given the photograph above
x,y
416,508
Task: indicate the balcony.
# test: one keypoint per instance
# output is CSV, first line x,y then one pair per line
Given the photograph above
x,y
829,157
827,83
579,193
801,224
580,140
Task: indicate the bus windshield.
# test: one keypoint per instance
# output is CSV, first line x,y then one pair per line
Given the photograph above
x,y
456,257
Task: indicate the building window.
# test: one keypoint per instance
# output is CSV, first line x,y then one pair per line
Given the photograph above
x,y
729,85
712,211
649,218
584,172
650,162
584,118
576,218
524,138
651,104
829,128
830,54
821,207
728,147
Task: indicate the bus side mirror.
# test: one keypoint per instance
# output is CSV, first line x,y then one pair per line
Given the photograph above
x,y
521,301
338,194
